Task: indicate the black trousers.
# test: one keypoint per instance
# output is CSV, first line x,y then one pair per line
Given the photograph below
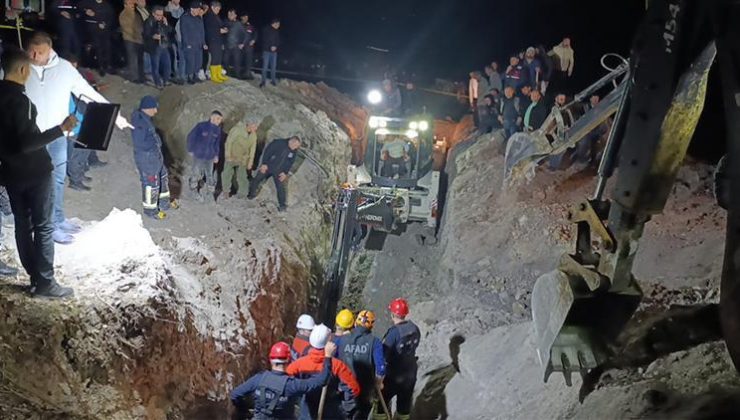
x,y
101,41
403,389
69,40
233,59
257,181
248,61
216,50
135,61
77,162
32,206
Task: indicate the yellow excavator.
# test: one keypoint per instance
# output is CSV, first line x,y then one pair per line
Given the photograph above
x,y
580,308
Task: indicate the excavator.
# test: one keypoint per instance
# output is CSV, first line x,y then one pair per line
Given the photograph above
x,y
580,308
396,184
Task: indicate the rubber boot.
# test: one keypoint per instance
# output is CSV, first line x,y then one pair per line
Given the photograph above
x,y
215,73
221,73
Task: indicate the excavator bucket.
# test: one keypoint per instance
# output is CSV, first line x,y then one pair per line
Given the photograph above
x,y
575,325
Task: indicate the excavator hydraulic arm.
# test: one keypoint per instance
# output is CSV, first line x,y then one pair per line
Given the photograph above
x,y
580,309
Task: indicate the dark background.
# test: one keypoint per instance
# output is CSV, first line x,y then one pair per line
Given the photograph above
x,y
429,39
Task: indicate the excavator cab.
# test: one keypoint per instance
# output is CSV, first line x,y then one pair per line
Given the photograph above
x,y
399,152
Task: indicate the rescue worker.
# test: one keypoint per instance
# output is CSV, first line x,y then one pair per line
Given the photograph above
x,y
338,403
344,322
395,157
241,144
215,31
155,190
400,343
204,144
301,343
363,353
275,393
277,159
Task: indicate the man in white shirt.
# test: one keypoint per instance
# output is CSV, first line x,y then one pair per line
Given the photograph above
x,y
564,60
52,82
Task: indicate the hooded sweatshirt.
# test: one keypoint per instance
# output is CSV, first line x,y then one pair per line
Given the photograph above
x,y
50,88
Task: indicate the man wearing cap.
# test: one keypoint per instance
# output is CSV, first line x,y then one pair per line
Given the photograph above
x,y
193,40
241,144
275,393
277,160
270,45
204,146
301,343
311,364
155,190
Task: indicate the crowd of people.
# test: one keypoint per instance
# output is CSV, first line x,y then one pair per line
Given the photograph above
x,y
48,96
360,373
175,43
521,97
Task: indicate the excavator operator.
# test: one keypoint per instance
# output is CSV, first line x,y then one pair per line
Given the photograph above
x,y
395,157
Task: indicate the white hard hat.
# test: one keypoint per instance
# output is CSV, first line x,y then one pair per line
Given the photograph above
x,y
305,322
319,336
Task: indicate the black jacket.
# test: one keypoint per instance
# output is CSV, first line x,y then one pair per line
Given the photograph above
x,y
278,157
237,34
538,115
213,25
270,38
151,28
103,14
23,155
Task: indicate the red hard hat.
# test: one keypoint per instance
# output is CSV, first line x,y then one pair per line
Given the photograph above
x,y
280,352
399,307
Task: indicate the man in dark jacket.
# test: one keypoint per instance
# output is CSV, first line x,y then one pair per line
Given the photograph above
x,y
248,47
155,190
98,16
193,40
157,39
277,160
25,170
215,31
535,113
64,13
275,393
204,146
236,40
270,45
509,113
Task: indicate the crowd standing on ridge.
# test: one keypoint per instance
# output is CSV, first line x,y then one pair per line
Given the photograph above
x,y
182,42
360,374
519,98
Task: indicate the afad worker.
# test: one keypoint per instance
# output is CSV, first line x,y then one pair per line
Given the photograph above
x,y
363,353
277,160
342,377
343,322
155,190
301,343
400,343
275,393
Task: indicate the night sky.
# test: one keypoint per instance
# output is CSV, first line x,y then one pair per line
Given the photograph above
x,y
448,38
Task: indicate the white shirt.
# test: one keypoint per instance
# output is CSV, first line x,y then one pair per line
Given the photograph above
x,y
50,87
472,90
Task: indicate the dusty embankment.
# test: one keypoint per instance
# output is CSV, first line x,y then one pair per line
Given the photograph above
x,y
172,313
471,296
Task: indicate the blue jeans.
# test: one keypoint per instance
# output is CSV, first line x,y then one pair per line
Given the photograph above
x,y
161,68
269,59
510,128
180,62
58,152
77,162
32,210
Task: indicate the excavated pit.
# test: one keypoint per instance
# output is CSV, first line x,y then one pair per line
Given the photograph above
x,y
170,315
